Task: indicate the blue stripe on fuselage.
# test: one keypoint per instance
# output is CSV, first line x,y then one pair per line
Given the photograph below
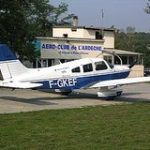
x,y
79,82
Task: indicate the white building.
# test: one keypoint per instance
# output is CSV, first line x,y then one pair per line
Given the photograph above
x,y
75,42
83,32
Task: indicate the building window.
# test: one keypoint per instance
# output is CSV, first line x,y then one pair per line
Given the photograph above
x,y
74,29
44,63
62,61
65,35
100,65
68,60
108,59
131,60
50,62
98,36
38,63
124,60
76,70
87,68
117,61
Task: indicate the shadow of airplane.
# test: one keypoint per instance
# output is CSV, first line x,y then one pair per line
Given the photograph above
x,y
34,101
75,96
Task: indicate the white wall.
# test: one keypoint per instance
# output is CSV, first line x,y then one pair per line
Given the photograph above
x,y
53,48
137,71
109,36
90,34
109,39
58,32
79,33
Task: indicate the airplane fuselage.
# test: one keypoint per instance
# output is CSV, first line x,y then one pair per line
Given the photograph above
x,y
75,75
79,82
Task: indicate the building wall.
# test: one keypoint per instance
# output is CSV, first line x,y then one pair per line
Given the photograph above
x,y
137,71
74,33
58,32
109,39
109,36
90,34
56,48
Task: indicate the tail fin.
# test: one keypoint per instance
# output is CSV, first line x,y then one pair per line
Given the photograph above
x,y
10,66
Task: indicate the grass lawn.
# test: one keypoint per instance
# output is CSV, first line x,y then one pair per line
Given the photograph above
x,y
120,127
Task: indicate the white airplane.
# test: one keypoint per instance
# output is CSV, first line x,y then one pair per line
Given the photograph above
x,y
67,77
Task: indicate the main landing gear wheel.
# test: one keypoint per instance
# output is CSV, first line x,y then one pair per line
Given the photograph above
x,y
110,93
63,92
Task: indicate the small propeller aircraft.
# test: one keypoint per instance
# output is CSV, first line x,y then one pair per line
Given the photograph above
x,y
67,77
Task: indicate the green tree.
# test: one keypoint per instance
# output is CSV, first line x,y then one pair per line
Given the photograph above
x,y
130,29
137,42
147,9
22,20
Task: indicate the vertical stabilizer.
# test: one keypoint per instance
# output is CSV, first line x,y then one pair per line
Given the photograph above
x,y
9,65
5,53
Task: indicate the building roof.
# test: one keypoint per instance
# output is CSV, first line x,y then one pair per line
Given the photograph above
x,y
70,39
120,52
89,28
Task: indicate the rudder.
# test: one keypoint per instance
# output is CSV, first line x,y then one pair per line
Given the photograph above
x,y
5,53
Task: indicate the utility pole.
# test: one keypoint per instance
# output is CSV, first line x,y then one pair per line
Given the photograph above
x,y
102,17
102,22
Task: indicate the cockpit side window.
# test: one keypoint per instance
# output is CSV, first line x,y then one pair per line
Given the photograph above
x,y
76,70
87,68
100,65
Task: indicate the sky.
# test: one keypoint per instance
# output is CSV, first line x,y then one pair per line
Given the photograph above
x,y
120,13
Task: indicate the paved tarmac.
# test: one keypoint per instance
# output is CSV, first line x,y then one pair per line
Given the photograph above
x,y
21,100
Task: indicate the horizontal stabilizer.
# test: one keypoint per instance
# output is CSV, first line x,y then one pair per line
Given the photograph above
x,y
121,82
22,85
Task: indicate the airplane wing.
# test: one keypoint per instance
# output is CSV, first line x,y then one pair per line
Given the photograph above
x,y
23,85
120,82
